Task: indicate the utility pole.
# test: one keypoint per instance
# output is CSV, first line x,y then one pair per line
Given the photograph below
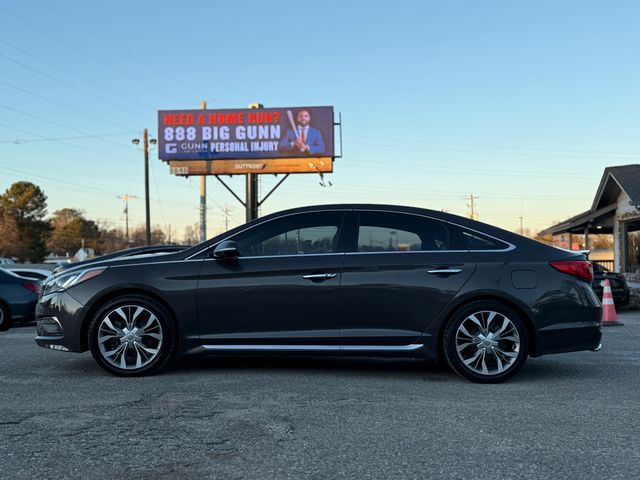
x,y
203,198
472,206
147,209
521,225
226,210
125,198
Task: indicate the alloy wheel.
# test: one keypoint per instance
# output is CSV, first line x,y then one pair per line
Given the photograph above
x,y
487,342
130,337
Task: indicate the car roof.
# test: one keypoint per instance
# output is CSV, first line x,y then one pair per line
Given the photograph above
x,y
485,228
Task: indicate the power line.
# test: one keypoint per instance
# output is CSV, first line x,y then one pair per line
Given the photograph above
x,y
90,56
155,184
436,168
422,127
65,127
19,141
456,144
74,87
62,104
414,147
81,77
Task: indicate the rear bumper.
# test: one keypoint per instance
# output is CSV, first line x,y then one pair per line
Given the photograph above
x,y
23,310
570,325
568,337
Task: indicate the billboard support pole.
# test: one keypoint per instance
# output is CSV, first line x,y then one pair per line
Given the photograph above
x,y
203,199
251,198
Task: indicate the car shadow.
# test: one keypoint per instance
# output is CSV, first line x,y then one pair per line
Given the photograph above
x,y
330,365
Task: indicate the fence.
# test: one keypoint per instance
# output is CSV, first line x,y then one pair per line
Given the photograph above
x,y
608,264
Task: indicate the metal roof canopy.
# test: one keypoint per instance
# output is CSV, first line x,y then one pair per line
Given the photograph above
x,y
599,219
598,222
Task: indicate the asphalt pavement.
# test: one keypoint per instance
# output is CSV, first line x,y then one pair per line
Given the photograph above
x,y
574,415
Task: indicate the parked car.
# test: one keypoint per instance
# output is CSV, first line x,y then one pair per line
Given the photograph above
x,y
337,279
6,261
39,274
619,287
18,298
129,253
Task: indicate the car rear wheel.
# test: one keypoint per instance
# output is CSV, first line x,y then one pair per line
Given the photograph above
x,y
5,318
486,342
131,335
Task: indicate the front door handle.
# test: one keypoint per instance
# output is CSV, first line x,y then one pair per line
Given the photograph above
x,y
316,277
444,271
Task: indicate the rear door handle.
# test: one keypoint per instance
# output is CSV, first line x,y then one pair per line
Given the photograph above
x,y
319,276
444,271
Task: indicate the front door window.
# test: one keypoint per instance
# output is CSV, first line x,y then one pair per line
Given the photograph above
x,y
303,234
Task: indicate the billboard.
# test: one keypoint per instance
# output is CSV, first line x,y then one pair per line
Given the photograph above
x,y
245,134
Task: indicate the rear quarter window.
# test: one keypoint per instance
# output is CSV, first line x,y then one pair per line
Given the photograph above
x,y
478,241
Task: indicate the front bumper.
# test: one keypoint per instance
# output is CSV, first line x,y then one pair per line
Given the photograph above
x,y
59,319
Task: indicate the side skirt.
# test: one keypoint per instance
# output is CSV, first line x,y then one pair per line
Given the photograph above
x,y
308,348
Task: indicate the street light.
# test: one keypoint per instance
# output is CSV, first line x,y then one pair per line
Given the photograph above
x,y
146,141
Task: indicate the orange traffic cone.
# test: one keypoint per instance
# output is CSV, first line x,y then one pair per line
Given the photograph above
x,y
609,317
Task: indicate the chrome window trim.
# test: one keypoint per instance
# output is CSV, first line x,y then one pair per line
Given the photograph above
x,y
295,255
154,263
314,348
509,248
409,251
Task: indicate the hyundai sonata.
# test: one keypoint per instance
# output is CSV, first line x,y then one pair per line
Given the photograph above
x,y
338,279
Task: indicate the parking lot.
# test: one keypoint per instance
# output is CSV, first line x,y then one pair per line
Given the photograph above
x,y
572,415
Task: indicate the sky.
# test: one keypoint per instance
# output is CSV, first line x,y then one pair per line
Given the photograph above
x,y
521,104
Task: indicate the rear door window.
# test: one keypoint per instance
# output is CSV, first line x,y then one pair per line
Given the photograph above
x,y
398,232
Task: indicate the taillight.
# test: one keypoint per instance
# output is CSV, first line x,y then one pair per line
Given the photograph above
x,y
32,286
577,268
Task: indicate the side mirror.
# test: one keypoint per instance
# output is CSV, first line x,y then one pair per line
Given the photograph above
x,y
226,249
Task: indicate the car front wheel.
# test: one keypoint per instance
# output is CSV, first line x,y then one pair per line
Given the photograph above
x,y
486,342
131,335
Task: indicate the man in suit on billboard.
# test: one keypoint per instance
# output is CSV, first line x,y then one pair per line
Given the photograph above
x,y
304,139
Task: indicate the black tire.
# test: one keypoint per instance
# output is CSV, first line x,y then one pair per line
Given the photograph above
x,y
5,318
489,359
136,346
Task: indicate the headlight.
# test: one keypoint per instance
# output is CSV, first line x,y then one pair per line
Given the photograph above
x,y
58,283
